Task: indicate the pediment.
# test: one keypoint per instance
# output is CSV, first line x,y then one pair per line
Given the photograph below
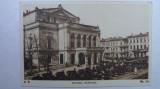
x,y
59,12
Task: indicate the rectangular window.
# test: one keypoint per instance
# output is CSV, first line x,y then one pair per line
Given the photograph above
x,y
103,44
141,54
144,46
141,40
141,46
131,47
61,58
134,47
137,46
144,40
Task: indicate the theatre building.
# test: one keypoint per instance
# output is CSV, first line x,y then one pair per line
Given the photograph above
x,y
61,37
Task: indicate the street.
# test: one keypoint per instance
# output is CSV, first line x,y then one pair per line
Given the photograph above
x,y
131,75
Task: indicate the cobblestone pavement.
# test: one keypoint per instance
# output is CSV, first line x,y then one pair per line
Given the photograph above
x,y
131,75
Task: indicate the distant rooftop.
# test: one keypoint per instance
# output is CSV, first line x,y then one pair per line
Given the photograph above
x,y
112,39
138,35
121,38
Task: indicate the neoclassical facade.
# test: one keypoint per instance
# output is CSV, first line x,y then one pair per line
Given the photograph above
x,y
138,45
61,37
133,46
82,44
115,47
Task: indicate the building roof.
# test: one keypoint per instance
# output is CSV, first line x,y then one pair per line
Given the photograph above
x,y
112,39
51,11
139,35
81,26
121,38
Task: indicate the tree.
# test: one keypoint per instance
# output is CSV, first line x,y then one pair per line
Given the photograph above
x,y
43,51
29,49
37,50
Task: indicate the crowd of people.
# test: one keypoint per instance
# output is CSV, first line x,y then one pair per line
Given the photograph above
x,y
102,71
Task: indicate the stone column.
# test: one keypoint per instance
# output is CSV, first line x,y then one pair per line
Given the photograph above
x,y
81,40
76,58
87,41
86,61
75,42
92,41
92,59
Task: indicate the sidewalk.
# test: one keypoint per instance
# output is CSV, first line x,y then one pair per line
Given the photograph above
x,y
131,75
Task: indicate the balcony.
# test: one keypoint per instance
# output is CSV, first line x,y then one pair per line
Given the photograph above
x,y
140,50
95,48
123,46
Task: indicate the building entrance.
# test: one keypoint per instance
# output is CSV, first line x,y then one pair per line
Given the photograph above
x,y
61,58
72,58
95,58
81,59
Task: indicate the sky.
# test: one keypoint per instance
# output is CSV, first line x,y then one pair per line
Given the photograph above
x,y
115,19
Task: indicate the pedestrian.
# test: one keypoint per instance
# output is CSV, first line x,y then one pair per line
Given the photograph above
x,y
135,70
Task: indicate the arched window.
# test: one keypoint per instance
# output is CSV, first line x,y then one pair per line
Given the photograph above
x,y
95,58
89,39
79,41
94,41
72,40
54,19
84,41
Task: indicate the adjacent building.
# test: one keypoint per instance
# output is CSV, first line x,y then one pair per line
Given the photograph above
x,y
133,46
60,37
138,45
115,47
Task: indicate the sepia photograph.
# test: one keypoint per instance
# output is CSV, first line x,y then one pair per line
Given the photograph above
x,y
85,44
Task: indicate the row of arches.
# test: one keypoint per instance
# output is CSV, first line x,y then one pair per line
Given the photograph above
x,y
82,59
86,41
